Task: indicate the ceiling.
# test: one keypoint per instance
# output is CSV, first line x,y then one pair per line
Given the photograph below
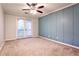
x,y
16,8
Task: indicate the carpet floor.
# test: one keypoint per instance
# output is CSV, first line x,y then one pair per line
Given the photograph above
x,y
36,47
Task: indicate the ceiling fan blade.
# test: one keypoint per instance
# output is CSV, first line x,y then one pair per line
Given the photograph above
x,y
40,7
28,4
25,9
34,4
39,11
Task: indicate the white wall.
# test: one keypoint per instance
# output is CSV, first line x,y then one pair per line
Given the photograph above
x,y
35,27
1,26
11,26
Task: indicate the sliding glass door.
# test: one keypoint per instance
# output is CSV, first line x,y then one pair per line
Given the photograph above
x,y
24,28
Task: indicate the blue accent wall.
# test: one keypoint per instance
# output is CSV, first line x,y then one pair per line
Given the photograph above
x,y
61,25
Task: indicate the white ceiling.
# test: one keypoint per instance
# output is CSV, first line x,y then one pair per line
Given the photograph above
x,y
16,8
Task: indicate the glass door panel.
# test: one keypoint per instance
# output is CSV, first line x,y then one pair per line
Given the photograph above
x,y
28,30
20,32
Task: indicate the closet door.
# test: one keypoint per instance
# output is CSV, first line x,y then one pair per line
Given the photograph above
x,y
60,26
76,25
68,25
53,25
41,26
46,26
50,26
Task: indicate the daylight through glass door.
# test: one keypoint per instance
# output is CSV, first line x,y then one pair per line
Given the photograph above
x,y
24,28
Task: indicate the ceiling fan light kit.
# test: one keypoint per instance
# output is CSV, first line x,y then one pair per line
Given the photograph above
x,y
33,11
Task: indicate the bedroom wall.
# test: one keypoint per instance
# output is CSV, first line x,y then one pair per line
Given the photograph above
x,y
1,26
35,26
62,25
11,26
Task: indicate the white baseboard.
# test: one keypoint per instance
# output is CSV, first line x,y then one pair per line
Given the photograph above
x,y
1,45
10,39
20,38
59,42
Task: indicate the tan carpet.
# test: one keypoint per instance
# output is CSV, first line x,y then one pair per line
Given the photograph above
x,y
36,47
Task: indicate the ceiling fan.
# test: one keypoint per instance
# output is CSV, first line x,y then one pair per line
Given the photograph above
x,y
32,8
